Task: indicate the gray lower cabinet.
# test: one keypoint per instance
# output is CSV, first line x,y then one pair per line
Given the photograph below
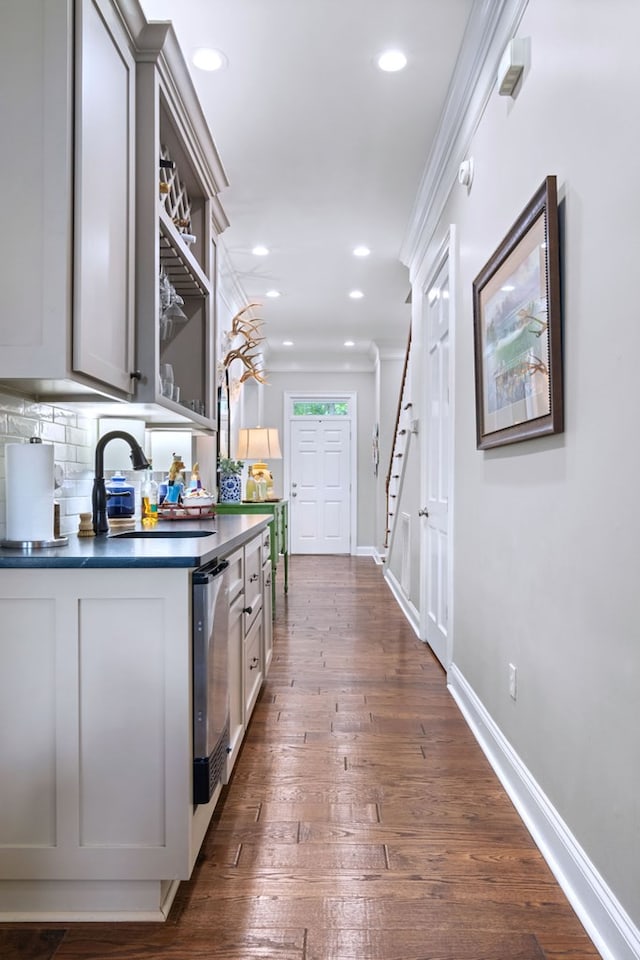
x,y
96,734
248,607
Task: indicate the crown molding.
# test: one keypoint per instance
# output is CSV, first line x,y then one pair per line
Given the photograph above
x,y
491,24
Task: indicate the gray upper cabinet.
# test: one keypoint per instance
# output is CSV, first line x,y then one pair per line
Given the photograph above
x,y
104,239
111,180
67,323
179,218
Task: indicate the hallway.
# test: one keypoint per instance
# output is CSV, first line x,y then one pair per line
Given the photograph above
x,y
362,821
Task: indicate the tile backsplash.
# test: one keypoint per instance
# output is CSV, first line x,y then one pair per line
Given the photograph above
x,y
73,437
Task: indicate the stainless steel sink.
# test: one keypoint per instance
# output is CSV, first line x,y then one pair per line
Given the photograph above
x,y
160,534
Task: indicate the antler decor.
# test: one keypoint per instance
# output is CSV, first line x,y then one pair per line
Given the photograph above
x,y
248,329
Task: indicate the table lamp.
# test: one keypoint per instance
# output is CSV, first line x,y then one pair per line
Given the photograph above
x,y
260,444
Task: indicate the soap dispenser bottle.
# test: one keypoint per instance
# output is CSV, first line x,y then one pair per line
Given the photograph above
x,y
175,480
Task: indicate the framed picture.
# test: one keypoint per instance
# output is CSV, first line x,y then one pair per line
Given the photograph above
x,y
518,330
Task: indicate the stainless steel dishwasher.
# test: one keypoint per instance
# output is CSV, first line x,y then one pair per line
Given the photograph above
x,y
210,679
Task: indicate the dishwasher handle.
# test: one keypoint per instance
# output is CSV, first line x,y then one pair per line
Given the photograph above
x,y
210,571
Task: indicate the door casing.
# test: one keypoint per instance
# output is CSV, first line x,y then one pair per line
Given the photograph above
x,y
445,258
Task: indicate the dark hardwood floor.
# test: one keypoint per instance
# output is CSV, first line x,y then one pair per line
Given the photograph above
x,y
362,821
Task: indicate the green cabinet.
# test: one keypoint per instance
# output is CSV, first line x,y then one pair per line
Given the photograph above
x,y
279,546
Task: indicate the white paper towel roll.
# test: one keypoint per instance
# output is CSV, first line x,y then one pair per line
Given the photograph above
x,y
29,491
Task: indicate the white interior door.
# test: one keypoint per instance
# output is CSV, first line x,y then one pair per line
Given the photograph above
x,y
434,604
320,482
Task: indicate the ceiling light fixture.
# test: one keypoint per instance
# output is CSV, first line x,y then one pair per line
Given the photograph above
x,y
260,251
208,59
361,251
287,343
272,294
392,60
349,343
356,294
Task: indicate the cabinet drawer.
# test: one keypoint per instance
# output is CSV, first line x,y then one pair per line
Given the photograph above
x,y
266,543
252,609
252,666
252,580
252,563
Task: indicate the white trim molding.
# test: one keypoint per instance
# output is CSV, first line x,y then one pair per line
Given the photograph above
x,y
492,24
366,552
409,610
606,922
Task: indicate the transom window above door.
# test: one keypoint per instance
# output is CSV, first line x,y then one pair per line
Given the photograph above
x,y
320,408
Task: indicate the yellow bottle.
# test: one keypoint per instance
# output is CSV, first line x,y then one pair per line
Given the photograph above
x,y
149,500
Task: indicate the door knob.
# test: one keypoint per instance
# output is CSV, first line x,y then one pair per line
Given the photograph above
x,y
423,512
294,484
294,494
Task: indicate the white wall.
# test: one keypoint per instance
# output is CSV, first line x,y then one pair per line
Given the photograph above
x,y
547,531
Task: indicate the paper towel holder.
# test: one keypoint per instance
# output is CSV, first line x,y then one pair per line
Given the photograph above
x,y
28,545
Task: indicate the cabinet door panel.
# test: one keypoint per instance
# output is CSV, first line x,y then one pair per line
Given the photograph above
x,y
28,721
104,198
252,667
267,617
236,681
35,118
122,747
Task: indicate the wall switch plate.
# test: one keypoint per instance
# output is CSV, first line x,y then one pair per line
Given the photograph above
x,y
513,681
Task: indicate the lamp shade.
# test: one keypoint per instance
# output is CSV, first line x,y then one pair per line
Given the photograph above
x,y
258,443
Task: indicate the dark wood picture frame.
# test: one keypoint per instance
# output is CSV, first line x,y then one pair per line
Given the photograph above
x,y
518,329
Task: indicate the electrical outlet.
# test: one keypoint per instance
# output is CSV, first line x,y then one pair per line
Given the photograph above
x,y
513,681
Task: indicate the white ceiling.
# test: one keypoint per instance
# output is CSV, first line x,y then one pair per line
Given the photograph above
x,y
323,152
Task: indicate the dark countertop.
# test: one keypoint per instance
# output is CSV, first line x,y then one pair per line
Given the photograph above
x,y
224,534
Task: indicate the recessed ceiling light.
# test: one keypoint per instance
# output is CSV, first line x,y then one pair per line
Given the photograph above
x,y
508,287
260,251
349,343
273,294
361,251
207,59
287,343
392,60
356,294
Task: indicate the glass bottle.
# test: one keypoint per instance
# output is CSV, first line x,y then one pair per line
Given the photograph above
x,y
149,500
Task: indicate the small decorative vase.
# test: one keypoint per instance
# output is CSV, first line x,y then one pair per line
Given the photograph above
x,y
231,488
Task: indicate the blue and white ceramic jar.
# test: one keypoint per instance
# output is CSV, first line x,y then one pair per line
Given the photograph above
x,y
231,488
121,501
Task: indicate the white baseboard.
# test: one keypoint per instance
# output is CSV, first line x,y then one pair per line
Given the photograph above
x,y
609,926
365,552
404,603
